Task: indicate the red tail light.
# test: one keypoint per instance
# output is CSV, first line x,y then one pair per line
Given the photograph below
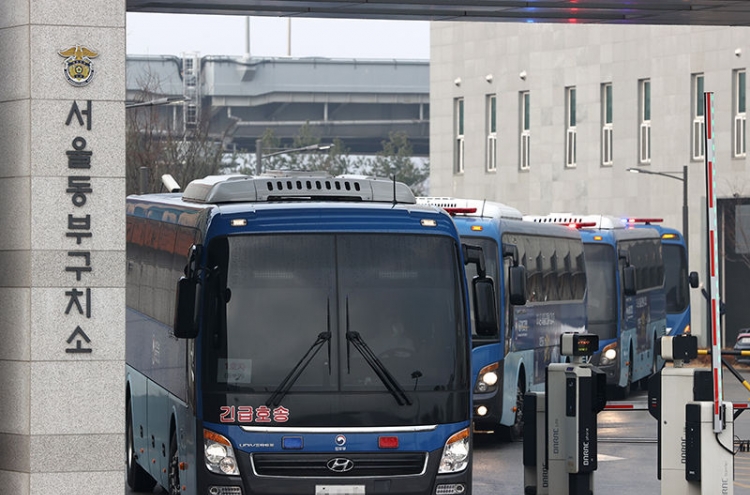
x,y
645,220
580,225
460,211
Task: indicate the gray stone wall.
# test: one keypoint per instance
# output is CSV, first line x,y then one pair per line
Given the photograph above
x,y
62,249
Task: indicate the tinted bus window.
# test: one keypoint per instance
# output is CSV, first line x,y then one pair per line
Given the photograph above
x,y
676,278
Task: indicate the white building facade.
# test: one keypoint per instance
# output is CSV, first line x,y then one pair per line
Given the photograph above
x,y
549,117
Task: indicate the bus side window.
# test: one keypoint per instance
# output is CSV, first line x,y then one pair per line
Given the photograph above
x,y
534,282
579,277
565,286
564,250
659,265
630,284
549,267
553,289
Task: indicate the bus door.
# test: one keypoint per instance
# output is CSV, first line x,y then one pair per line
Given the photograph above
x,y
506,308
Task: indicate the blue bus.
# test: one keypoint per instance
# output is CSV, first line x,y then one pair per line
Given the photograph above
x,y
677,279
626,303
298,334
540,273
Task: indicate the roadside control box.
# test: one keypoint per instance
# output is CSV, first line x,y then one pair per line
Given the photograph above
x,y
576,393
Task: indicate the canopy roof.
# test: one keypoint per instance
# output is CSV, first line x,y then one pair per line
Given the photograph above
x,y
686,12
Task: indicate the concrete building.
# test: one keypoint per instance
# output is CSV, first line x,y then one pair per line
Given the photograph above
x,y
549,117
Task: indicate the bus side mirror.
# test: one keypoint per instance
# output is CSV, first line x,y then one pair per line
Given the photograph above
x,y
485,311
186,297
624,254
510,251
694,280
185,321
474,254
517,285
628,280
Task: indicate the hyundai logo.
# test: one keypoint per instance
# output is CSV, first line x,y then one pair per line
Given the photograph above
x,y
340,465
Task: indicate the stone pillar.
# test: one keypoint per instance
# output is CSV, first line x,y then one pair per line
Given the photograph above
x,y
62,246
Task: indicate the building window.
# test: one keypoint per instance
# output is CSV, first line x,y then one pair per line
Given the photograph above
x,y
740,88
191,115
525,130
607,133
491,133
458,166
644,111
570,126
699,118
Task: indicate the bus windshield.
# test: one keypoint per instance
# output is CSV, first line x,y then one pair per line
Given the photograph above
x,y
676,278
315,305
602,290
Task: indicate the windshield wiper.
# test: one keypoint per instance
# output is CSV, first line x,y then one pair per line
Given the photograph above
x,y
295,372
379,368
375,363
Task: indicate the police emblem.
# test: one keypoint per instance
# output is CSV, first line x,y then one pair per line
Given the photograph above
x,y
78,67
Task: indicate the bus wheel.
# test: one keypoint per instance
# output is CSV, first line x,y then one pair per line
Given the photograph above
x,y
655,368
514,433
174,466
138,479
625,391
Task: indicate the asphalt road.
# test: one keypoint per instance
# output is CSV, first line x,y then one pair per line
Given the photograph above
x,y
627,452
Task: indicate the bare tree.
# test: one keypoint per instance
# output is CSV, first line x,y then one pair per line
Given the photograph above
x,y
158,140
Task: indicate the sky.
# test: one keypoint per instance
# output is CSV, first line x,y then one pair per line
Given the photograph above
x,y
173,34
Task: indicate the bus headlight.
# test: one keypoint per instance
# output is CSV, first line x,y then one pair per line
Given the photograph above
x,y
455,453
490,378
219,454
487,379
609,354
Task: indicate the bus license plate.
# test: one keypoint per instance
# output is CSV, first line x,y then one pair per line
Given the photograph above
x,y
339,489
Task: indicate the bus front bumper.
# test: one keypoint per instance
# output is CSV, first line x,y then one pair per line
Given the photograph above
x,y
291,474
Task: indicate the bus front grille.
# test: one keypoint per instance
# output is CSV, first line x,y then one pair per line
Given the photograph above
x,y
332,465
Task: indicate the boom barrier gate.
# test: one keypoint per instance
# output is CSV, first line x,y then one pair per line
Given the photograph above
x,y
693,459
